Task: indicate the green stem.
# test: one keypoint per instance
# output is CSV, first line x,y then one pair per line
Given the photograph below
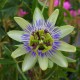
x,y
52,72
16,74
50,75
61,4
24,77
44,6
27,5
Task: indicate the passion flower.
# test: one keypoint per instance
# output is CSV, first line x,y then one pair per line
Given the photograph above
x,y
41,41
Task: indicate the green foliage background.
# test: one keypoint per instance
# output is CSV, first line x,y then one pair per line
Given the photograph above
x,y
8,67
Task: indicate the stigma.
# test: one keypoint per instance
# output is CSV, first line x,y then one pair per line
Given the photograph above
x,y
41,40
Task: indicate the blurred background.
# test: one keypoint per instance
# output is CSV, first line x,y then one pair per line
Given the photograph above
x,y
69,14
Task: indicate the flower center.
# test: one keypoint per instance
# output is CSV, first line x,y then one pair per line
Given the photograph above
x,y
41,40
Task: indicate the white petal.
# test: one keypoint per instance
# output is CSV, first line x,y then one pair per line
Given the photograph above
x,y
50,64
65,30
66,47
59,59
54,17
18,52
29,62
70,60
16,35
37,15
43,62
21,22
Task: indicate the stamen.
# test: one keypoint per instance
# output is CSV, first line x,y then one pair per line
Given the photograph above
x,y
38,35
46,31
41,38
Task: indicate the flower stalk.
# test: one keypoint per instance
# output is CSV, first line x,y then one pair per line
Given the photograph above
x,y
51,7
0,54
20,71
44,6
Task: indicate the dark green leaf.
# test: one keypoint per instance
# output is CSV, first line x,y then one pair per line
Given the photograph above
x,y
6,61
